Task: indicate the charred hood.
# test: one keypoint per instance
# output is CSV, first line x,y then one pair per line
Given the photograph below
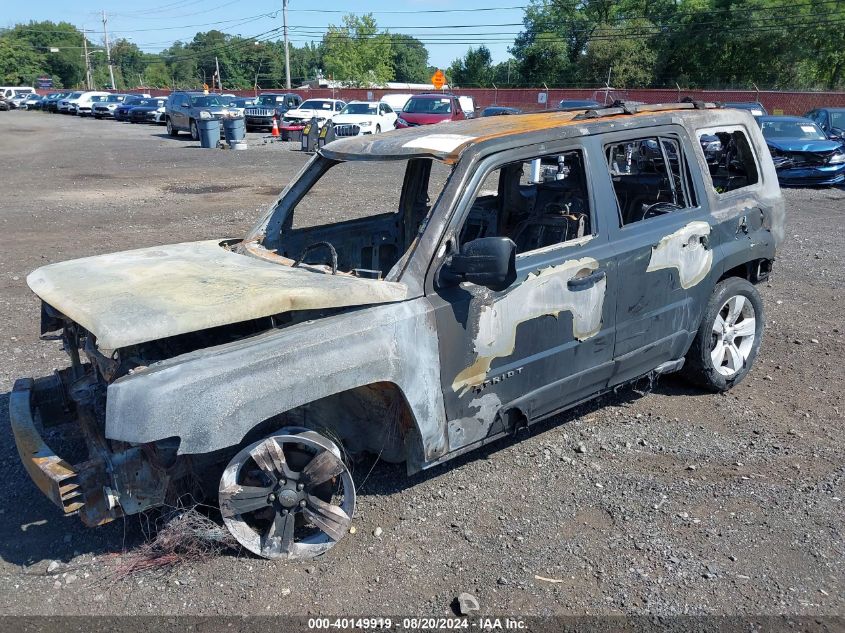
x,y
152,293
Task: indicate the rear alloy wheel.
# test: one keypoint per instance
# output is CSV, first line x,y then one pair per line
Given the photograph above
x,y
378,129
729,336
288,496
172,131
195,133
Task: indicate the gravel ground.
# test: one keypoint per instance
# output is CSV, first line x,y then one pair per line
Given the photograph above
x,y
681,501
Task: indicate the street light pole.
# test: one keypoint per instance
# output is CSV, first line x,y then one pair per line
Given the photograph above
x,y
287,52
108,51
87,59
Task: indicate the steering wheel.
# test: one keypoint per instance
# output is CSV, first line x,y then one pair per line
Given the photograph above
x,y
313,246
659,208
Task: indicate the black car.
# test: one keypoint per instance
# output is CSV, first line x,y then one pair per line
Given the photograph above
x,y
499,111
4,105
269,107
52,103
573,105
148,111
121,112
831,121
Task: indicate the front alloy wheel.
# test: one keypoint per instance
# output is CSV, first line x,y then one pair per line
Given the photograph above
x,y
288,496
195,133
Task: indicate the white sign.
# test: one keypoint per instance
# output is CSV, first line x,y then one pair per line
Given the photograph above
x,y
542,97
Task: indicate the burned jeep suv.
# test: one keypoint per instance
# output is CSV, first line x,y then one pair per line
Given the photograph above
x,y
504,269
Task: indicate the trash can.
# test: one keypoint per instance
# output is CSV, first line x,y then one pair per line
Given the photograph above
x,y
234,129
209,130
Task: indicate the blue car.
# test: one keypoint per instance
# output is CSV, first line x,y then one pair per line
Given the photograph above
x,y
831,121
802,153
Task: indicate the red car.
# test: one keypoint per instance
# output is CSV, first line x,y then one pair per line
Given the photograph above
x,y
426,109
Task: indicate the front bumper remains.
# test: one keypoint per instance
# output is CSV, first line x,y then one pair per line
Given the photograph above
x,y
109,483
54,476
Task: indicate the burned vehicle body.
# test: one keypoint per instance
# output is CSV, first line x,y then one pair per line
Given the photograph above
x,y
565,255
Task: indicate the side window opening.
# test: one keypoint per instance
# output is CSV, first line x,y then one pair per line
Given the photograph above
x,y
651,177
537,203
730,159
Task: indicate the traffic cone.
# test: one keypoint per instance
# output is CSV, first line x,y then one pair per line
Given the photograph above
x,y
275,131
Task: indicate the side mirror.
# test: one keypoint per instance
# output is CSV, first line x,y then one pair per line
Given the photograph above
x,y
836,134
487,261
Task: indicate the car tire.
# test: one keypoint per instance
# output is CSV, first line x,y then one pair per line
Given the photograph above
x,y
195,132
378,129
728,338
172,131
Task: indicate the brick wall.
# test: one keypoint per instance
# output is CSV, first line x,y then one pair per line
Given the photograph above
x,y
780,102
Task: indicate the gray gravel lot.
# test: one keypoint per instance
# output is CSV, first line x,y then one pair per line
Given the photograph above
x,y
682,502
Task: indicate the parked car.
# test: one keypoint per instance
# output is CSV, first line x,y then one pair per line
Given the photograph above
x,y
429,325
106,107
322,109
802,153
4,105
269,107
66,104
499,111
572,105
364,117
85,102
33,101
425,109
53,100
121,112
756,109
184,109
152,110
396,101
237,105
17,101
831,121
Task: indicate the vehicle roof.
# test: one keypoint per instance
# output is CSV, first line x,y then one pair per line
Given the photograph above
x,y
830,109
367,102
322,99
782,117
447,141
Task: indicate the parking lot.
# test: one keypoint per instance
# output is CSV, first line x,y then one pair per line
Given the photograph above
x,y
672,502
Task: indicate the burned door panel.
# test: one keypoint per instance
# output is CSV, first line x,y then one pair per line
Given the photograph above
x,y
547,340
663,245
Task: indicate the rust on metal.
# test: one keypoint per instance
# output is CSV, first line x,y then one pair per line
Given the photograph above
x,y
53,475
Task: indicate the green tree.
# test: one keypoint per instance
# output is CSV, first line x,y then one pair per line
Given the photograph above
x,y
410,59
630,58
357,54
475,69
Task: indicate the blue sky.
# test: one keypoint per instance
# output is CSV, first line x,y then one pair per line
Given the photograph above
x,y
154,24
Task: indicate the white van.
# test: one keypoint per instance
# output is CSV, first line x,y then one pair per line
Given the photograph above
x,y
86,100
7,92
396,101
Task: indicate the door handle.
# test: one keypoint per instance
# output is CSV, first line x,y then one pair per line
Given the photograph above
x,y
580,283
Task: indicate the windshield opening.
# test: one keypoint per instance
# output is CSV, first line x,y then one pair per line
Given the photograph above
x,y
360,108
270,100
428,106
369,228
808,130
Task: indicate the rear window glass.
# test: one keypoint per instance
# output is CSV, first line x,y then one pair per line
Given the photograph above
x,y
730,158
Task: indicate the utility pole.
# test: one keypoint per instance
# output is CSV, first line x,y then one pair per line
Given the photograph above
x,y
87,59
287,52
108,51
219,80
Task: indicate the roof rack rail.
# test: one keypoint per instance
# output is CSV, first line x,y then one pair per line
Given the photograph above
x,y
629,107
